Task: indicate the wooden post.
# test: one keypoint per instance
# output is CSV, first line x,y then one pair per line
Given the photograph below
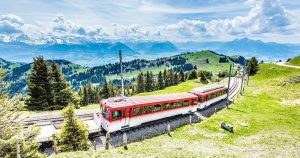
x,y
190,119
216,110
18,149
125,141
95,145
248,75
54,143
169,129
242,86
107,138
229,76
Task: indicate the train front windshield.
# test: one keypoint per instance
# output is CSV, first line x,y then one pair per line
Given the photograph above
x,y
105,113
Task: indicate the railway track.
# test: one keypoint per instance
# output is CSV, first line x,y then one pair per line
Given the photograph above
x,y
55,119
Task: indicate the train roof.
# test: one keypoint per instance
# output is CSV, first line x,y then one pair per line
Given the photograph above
x,y
208,89
139,100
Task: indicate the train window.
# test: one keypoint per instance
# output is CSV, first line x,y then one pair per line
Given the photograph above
x,y
165,106
105,113
148,109
172,105
116,114
179,104
195,102
186,103
137,111
157,108
201,99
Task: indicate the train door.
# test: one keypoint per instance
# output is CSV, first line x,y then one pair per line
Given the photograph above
x,y
126,116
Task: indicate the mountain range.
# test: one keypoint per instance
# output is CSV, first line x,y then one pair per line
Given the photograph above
x,y
268,51
93,54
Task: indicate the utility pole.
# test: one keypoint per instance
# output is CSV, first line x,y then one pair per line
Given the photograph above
x,y
229,76
122,82
248,76
241,92
232,67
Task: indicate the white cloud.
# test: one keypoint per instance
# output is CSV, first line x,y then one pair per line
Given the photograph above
x,y
265,18
10,24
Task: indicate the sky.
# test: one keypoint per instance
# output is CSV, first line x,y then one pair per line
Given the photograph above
x,y
75,21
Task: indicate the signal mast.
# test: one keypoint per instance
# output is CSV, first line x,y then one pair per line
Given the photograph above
x,y
121,73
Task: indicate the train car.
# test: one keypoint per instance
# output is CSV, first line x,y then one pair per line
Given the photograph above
x,y
122,113
210,94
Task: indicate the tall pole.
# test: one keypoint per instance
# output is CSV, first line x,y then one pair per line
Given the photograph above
x,y
248,76
229,76
122,82
241,91
232,67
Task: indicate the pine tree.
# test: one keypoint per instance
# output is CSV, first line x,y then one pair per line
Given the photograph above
x,y
140,83
153,87
203,78
112,90
175,78
39,91
73,135
160,81
181,76
165,78
61,89
149,82
12,131
252,64
105,89
85,100
192,75
171,77
128,91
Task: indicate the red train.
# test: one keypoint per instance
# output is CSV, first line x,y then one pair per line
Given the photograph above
x,y
121,113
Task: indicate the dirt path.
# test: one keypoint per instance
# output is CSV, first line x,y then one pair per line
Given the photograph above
x,y
285,64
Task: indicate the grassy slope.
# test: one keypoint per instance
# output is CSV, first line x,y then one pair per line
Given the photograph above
x,y
266,123
213,65
295,61
193,58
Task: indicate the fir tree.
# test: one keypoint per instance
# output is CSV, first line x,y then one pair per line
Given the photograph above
x,y
149,82
85,100
105,89
61,89
171,77
252,64
165,78
73,135
181,76
160,81
140,83
128,91
192,75
12,131
39,91
175,78
112,92
203,78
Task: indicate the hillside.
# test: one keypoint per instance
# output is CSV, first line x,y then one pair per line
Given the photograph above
x,y
78,75
265,119
295,61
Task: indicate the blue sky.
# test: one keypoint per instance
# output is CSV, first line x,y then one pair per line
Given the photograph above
x,y
41,21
